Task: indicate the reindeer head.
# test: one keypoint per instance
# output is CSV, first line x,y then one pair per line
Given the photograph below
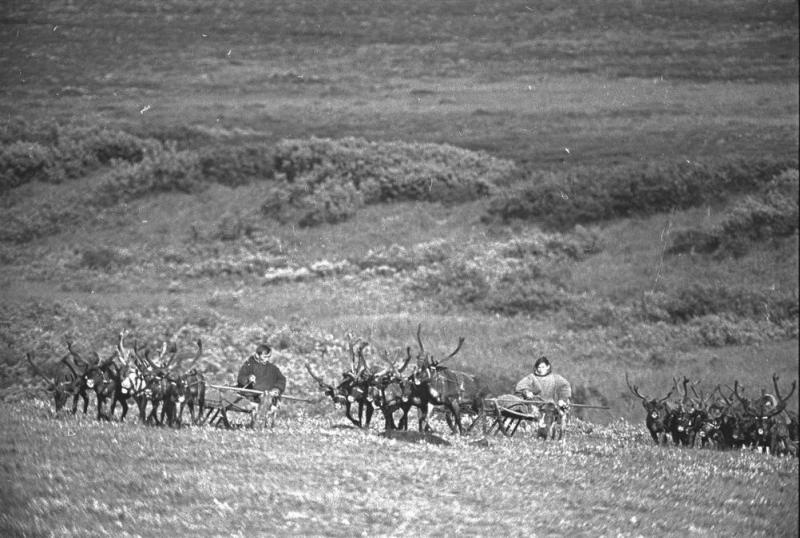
x,y
656,409
427,365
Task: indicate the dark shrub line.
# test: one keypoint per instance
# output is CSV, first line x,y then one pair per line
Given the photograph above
x,y
772,213
583,195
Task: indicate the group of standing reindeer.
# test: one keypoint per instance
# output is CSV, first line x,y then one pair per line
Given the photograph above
x,y
130,374
731,421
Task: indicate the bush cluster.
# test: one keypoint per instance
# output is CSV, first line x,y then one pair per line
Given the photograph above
x,y
532,289
455,281
104,258
325,180
577,245
403,258
67,153
771,213
165,171
237,165
583,195
697,300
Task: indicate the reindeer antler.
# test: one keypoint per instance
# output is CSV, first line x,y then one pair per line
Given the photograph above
x,y
633,388
197,356
38,371
362,362
781,400
317,378
75,355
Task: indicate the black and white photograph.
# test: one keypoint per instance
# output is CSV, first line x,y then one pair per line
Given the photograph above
x,y
399,268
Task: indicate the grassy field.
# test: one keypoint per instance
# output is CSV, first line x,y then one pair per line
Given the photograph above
x,y
554,88
75,477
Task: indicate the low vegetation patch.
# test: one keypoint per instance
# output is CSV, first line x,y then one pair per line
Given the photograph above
x,y
764,216
585,195
61,153
326,180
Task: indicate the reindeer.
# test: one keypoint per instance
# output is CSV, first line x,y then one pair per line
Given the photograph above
x,y
551,422
167,390
195,395
705,420
657,412
131,378
353,388
176,391
386,391
103,377
435,385
679,419
64,384
766,432
734,424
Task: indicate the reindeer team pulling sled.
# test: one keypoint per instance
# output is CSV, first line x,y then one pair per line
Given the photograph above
x,y
433,386
131,374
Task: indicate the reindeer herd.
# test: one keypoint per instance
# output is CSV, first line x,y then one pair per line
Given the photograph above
x,y
157,380
130,374
724,419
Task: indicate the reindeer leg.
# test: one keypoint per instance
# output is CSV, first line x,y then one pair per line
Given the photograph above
x,y
85,401
141,403
124,404
368,411
100,401
347,410
424,425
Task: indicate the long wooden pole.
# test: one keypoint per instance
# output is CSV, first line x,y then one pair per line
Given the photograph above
x,y
259,392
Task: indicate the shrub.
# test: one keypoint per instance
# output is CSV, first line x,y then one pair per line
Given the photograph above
x,y
691,240
726,330
454,282
237,165
21,162
534,287
378,172
699,300
63,153
769,214
165,171
104,258
585,195
774,215
302,203
401,258
578,245
233,226
332,204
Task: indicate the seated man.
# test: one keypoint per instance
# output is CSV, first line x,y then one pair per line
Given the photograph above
x,y
258,373
544,385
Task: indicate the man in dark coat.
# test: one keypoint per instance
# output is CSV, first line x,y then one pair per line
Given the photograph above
x,y
258,373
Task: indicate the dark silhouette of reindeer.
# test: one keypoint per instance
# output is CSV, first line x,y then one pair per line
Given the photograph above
x,y
657,413
435,385
765,430
353,387
65,383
